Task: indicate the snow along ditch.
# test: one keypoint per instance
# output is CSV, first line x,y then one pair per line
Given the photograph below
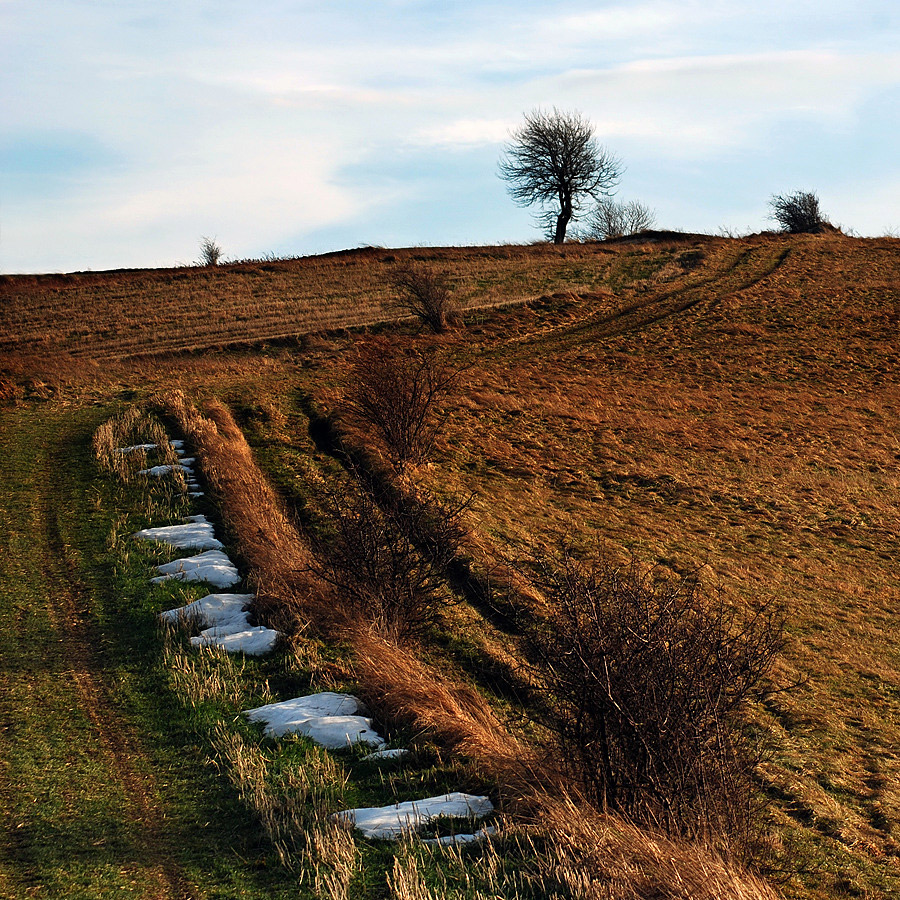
x,y
331,720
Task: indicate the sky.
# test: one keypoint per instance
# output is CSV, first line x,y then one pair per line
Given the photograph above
x,y
131,130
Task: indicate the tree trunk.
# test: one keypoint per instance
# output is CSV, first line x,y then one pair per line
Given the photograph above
x,y
562,222
565,214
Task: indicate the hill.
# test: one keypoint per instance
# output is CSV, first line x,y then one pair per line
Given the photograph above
x,y
728,404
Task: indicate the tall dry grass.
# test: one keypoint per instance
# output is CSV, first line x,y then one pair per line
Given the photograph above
x,y
292,805
280,564
602,857
132,427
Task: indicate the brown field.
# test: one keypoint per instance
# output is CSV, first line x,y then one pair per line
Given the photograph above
x,y
726,403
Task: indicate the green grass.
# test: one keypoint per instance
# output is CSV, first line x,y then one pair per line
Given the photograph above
x,y
106,784
117,784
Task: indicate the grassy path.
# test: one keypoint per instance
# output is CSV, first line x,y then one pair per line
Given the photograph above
x,y
82,812
105,790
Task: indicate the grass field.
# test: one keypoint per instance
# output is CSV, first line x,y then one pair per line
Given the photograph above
x,y
730,404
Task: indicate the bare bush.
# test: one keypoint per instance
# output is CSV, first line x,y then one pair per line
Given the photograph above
x,y
646,680
425,294
375,560
396,391
610,219
210,252
798,213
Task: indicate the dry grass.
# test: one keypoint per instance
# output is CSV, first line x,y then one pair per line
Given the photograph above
x,y
279,561
115,314
727,402
292,805
132,427
395,681
207,673
606,857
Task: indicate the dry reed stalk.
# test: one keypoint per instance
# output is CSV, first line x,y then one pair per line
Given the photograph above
x,y
207,673
333,856
293,808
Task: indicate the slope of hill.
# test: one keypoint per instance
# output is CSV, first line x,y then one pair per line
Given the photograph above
x,y
730,404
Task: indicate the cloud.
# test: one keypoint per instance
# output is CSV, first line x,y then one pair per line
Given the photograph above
x,y
466,132
135,128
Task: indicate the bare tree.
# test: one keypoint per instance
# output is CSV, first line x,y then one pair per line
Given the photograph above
x,y
609,219
797,213
210,252
395,391
554,160
425,294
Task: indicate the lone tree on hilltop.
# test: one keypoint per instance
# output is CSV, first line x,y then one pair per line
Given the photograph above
x,y
798,213
554,160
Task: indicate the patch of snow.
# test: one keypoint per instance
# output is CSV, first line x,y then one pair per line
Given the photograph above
x,y
156,471
453,839
213,567
212,610
391,822
252,641
395,753
135,447
195,494
328,719
159,471
326,703
197,534
338,732
176,444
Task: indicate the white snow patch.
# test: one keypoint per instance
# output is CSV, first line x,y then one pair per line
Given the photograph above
x,y
196,534
395,753
452,839
213,567
280,716
327,718
391,822
159,471
252,641
135,447
176,445
338,732
212,610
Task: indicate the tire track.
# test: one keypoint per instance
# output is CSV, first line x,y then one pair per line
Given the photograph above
x,y
79,643
659,307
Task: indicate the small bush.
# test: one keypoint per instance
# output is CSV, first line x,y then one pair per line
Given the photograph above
x,y
646,682
798,213
614,220
396,391
374,557
210,252
426,295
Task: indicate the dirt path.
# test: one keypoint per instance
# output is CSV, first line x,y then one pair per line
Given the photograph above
x,y
89,782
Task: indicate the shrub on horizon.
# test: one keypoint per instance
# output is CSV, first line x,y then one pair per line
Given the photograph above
x,y
798,213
